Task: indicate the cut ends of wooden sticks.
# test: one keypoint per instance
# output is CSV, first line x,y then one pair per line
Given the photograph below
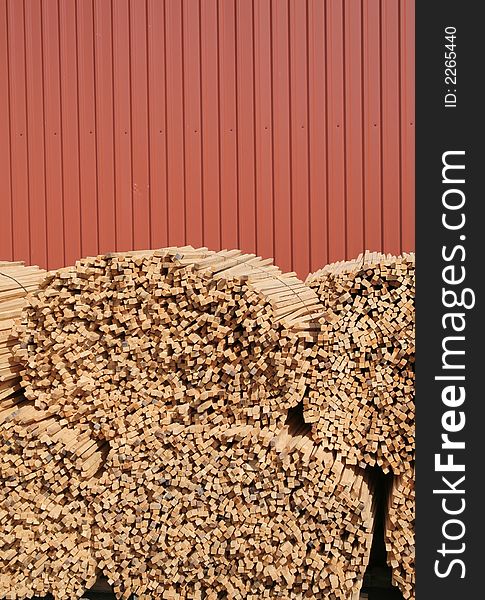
x,y
231,511
46,469
16,282
174,511
399,533
213,334
156,433
361,392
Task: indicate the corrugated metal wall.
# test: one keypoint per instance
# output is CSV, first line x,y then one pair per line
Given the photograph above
x,y
283,127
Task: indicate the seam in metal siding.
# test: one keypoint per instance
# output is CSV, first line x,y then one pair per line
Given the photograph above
x,y
283,127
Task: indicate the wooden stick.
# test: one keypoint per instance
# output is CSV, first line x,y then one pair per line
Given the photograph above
x,y
399,533
361,391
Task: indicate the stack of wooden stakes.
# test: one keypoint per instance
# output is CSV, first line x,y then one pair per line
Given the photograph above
x,y
232,511
213,336
47,469
160,384
16,281
361,399
43,523
399,533
361,383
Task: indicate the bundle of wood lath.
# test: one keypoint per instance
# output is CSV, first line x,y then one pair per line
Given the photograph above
x,y
44,522
159,385
179,512
213,336
46,469
399,532
361,396
231,511
361,403
161,441
16,281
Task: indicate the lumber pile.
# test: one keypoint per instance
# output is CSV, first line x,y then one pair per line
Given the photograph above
x,y
399,533
196,424
361,398
186,363
46,470
178,512
231,511
16,281
361,383
215,336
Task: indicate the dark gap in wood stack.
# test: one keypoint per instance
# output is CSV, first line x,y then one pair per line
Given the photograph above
x,y
296,414
378,576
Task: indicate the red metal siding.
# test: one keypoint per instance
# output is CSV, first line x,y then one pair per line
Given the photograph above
x,y
283,127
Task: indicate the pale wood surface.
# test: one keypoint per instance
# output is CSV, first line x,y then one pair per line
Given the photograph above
x,y
399,533
153,441
361,400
